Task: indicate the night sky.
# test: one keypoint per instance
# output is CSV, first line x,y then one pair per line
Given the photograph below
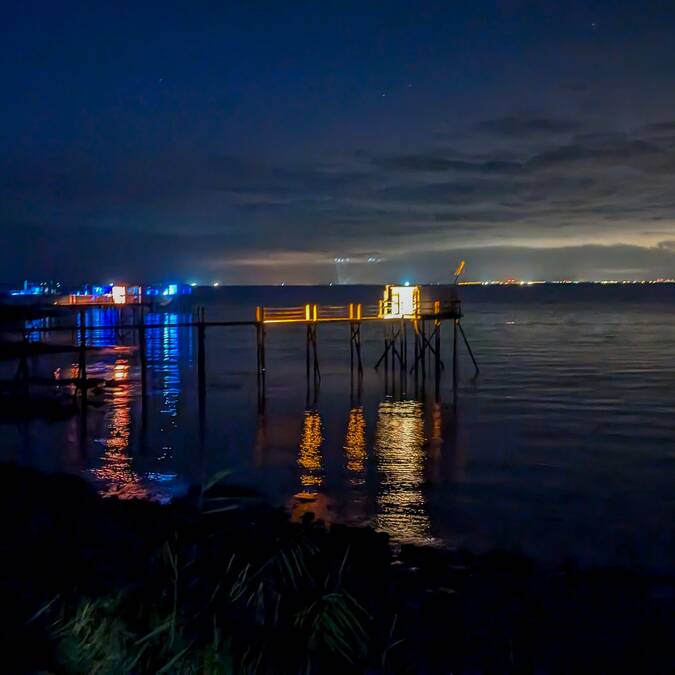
x,y
256,142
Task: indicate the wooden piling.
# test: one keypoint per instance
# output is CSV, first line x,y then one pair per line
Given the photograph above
x,y
82,361
201,364
311,351
468,346
454,355
423,356
260,352
23,374
405,346
142,356
307,348
437,351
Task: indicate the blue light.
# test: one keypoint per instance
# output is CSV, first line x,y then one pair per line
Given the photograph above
x,y
406,283
170,289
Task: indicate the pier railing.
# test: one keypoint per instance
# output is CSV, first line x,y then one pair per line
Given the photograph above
x,y
314,313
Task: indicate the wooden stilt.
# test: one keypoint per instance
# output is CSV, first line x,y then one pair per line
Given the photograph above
x,y
423,356
22,373
355,353
82,362
260,357
437,359
468,346
311,352
142,354
201,367
358,341
405,346
454,355
317,371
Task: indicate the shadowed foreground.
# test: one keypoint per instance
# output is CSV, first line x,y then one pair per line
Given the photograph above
x,y
218,582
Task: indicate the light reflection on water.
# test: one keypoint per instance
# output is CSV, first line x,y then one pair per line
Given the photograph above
x,y
164,352
310,498
562,446
398,460
309,452
355,446
115,473
399,454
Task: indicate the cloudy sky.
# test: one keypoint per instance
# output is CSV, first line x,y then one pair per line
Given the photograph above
x,y
256,142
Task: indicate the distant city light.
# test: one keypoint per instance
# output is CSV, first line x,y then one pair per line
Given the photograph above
x,y
406,283
193,284
216,284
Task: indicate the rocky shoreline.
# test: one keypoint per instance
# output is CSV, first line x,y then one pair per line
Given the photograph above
x,y
216,582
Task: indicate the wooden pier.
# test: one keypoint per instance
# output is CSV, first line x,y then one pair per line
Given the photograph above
x,y
422,327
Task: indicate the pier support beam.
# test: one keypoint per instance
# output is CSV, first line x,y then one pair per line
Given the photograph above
x,y
142,356
82,378
425,349
455,374
355,361
437,361
201,369
468,346
82,361
22,372
260,350
311,354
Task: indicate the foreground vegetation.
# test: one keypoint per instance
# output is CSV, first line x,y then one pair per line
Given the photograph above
x,y
217,583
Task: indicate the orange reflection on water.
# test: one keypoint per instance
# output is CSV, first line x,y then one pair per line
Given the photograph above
x,y
309,500
116,472
355,446
309,451
399,450
435,443
121,370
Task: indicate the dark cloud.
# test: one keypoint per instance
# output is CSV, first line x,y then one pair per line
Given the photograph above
x,y
614,152
526,127
659,127
220,210
225,143
435,163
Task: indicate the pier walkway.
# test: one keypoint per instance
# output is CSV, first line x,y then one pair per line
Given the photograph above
x,y
423,319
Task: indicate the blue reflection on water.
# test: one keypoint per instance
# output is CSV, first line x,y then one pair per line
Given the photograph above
x,y
104,322
163,354
35,328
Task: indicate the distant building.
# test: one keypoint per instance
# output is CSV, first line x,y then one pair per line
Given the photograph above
x,y
40,288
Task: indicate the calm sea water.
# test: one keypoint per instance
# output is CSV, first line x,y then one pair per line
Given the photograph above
x,y
563,447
